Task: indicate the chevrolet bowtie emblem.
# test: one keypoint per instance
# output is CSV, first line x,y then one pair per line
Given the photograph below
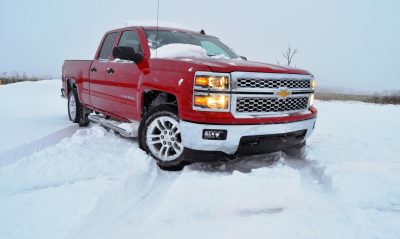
x,y
283,93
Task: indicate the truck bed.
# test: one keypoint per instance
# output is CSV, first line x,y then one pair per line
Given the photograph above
x,y
79,71
76,69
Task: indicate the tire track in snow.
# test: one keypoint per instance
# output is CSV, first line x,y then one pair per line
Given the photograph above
x,y
241,164
310,170
121,210
13,155
87,154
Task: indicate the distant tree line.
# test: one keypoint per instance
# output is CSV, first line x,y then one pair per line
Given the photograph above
x,y
16,76
387,98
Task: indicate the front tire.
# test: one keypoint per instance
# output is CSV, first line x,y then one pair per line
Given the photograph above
x,y
160,137
76,111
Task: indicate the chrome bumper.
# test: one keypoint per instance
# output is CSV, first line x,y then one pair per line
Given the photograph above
x,y
192,134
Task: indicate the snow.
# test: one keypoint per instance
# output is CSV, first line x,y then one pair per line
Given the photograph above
x,y
186,51
131,128
29,112
179,50
92,183
221,56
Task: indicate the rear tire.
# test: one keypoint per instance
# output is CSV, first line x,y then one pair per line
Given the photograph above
x,y
76,111
160,137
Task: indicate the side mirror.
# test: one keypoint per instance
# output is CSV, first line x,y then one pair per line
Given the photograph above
x,y
243,58
127,53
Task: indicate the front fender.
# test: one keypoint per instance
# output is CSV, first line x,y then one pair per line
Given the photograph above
x,y
170,76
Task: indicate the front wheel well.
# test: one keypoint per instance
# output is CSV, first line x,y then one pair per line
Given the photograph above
x,y
153,98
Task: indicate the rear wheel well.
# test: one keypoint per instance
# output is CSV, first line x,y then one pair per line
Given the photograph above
x,y
153,98
70,85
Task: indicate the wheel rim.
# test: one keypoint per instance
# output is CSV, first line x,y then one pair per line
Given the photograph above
x,y
72,107
163,138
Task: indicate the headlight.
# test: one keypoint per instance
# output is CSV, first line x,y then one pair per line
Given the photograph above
x,y
313,84
213,81
311,100
219,102
211,91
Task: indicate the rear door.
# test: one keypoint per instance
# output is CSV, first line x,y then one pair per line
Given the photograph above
x,y
98,83
122,80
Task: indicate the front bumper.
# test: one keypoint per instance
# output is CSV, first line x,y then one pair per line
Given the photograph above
x,y
244,139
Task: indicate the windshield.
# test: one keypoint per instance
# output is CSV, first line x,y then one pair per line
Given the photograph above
x,y
211,45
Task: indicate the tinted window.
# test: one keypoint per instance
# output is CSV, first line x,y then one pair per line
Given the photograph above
x,y
130,39
106,49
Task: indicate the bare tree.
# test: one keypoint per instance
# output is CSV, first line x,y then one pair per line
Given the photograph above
x,y
289,53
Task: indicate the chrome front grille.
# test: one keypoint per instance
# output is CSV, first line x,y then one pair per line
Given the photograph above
x,y
270,105
272,83
257,94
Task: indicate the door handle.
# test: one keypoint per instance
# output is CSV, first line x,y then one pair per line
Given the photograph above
x,y
93,69
110,71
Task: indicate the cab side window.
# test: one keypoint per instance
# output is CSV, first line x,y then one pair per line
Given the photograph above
x,y
108,44
130,39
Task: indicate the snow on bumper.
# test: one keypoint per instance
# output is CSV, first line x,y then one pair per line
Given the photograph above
x,y
192,134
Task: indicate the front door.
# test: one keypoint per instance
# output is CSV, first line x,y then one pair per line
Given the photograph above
x,y
122,78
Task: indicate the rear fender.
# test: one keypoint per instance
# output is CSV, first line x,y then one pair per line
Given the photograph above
x,y
71,83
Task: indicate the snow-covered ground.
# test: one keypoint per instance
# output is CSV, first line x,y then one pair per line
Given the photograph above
x,y
59,181
29,112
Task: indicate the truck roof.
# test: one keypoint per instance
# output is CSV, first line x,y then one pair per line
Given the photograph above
x,y
169,29
162,28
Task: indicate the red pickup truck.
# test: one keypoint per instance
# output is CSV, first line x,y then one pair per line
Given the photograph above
x,y
195,98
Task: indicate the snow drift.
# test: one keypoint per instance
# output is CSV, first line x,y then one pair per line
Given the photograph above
x,y
179,50
92,183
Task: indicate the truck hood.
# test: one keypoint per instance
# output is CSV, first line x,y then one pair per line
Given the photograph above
x,y
222,65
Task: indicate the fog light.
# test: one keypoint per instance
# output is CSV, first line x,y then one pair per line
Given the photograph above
x,y
215,134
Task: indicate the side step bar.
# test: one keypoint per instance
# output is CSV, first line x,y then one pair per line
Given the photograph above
x,y
104,122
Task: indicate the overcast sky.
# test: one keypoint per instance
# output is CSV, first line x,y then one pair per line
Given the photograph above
x,y
353,44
